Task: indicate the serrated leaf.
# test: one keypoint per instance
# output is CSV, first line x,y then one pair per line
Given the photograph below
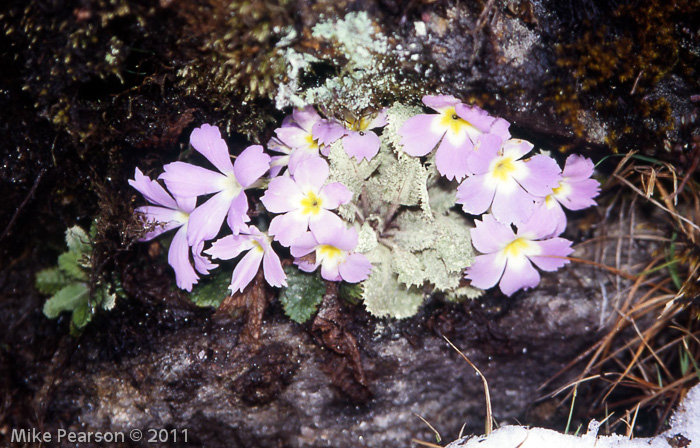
x,y
212,291
68,298
50,281
352,292
303,294
382,294
408,267
70,264
104,298
348,171
78,241
82,314
396,115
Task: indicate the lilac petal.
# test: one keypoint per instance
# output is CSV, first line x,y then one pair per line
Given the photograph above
x,y
201,263
486,270
305,265
417,136
272,269
205,221
166,219
541,176
245,270
551,211
440,102
295,137
517,276
329,271
327,131
476,116
479,161
451,160
538,226
179,259
298,155
551,250
282,195
475,194
516,148
578,167
208,142
277,164
355,268
276,145
378,121
288,227
581,194
187,180
250,165
306,117
186,204
514,206
333,195
329,229
304,245
230,246
361,145
310,174
500,128
238,213
151,190
490,236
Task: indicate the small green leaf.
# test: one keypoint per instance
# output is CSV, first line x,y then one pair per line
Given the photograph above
x,y
213,291
352,292
50,281
303,294
78,241
67,299
82,315
70,264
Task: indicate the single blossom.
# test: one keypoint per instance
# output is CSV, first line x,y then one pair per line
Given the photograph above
x,y
297,138
259,247
228,185
166,214
575,191
304,201
506,182
508,257
456,130
332,249
360,141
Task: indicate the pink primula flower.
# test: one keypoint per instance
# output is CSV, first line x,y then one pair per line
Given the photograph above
x,y
304,201
171,213
508,257
576,191
299,134
259,247
506,182
456,129
360,142
228,185
333,251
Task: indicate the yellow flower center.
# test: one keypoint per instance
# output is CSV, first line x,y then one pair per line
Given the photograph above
x,y
257,247
504,169
453,122
311,204
328,252
516,248
311,142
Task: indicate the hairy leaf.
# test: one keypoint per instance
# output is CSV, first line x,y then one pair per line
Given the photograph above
x,y
51,280
303,294
212,291
68,298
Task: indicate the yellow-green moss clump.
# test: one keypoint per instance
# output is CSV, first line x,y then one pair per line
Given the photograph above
x,y
617,69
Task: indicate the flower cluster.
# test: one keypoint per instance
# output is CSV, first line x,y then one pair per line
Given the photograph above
x,y
518,195
502,177
301,198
